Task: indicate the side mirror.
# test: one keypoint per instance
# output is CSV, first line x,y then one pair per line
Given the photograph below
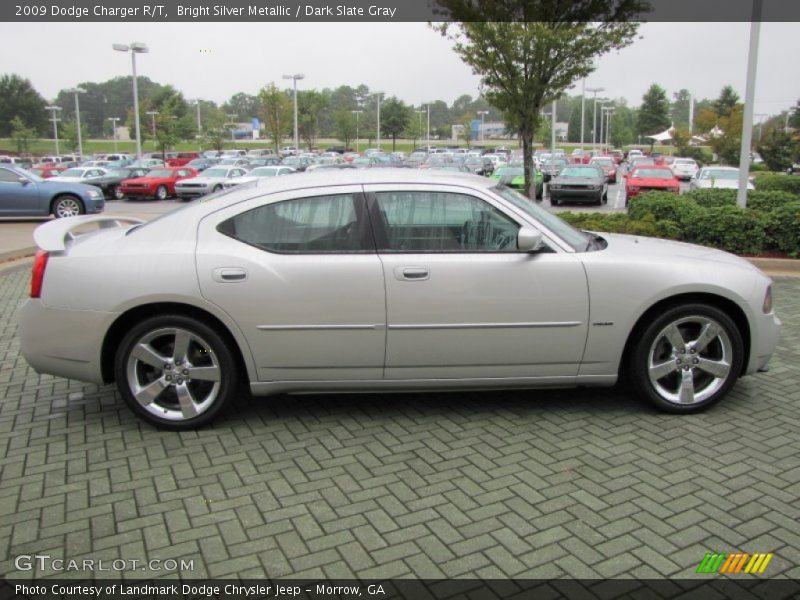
x,y
23,180
529,240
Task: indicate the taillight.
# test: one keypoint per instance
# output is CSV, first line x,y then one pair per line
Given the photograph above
x,y
37,278
767,306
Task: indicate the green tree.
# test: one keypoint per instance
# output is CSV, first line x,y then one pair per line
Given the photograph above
x,y
244,105
726,102
794,116
345,126
22,135
18,98
679,111
167,127
727,145
69,131
778,149
310,104
276,113
395,116
653,116
465,131
527,53
416,128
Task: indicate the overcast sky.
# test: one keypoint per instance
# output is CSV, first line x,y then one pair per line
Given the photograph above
x,y
215,61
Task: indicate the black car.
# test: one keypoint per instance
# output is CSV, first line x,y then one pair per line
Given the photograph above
x,y
109,182
201,164
479,165
579,183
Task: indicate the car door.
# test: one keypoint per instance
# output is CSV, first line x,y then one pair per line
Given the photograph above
x,y
462,302
299,273
18,198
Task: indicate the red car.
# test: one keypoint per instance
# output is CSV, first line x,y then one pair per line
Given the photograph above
x,y
181,158
158,183
608,165
46,172
650,178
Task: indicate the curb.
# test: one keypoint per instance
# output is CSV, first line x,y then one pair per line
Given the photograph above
x,y
16,254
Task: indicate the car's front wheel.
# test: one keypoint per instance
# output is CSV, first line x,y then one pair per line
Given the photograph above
x,y
175,372
67,206
118,193
687,359
161,192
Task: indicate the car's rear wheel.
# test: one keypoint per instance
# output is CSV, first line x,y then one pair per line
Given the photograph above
x,y
175,372
687,359
161,192
67,206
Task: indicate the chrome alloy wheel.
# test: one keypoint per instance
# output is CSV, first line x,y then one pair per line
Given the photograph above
x,y
173,374
67,207
690,360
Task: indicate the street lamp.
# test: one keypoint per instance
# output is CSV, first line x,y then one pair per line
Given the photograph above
x,y
199,124
428,134
419,123
483,114
153,114
378,104
134,48
114,131
356,113
602,107
594,117
553,130
232,123
608,110
55,121
77,91
294,79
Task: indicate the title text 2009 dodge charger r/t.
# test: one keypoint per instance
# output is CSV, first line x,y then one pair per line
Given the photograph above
x,y
384,280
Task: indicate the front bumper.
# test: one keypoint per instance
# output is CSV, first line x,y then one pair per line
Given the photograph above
x,y
576,194
766,331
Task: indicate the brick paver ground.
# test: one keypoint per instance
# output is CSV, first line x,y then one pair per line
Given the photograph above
x,y
587,483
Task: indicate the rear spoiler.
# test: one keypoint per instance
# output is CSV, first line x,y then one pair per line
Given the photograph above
x,y
54,236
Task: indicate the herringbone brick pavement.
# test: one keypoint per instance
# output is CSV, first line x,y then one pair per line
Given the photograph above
x,y
574,483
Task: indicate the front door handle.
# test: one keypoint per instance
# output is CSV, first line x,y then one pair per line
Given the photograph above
x,y
412,273
229,275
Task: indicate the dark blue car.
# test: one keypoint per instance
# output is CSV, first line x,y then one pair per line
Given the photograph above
x,y
23,194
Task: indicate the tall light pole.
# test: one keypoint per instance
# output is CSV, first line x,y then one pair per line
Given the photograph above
x,y
199,125
153,114
356,113
608,110
691,114
594,117
749,103
294,79
483,114
553,130
114,130
76,91
378,107
55,121
134,48
232,123
422,112
602,108
583,108
428,134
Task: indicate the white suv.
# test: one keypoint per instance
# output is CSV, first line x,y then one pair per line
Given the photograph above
x,y
684,168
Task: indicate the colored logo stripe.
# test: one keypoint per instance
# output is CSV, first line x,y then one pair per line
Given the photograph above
x,y
722,563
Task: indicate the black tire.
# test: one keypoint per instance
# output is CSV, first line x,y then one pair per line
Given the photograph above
x,y
217,188
67,206
116,192
653,353
539,193
605,197
207,356
162,193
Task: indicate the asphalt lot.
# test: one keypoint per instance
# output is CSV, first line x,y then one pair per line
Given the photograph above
x,y
569,483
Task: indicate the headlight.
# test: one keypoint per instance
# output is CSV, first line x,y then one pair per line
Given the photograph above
x,y
94,193
767,306
555,186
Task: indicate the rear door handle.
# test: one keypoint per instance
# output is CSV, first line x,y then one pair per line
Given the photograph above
x,y
412,273
229,275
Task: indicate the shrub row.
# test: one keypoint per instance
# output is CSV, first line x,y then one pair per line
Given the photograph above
x,y
771,222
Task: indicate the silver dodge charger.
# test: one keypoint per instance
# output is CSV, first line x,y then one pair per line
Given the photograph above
x,y
384,280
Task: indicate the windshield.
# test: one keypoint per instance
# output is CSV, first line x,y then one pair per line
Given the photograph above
x,y
216,173
160,173
651,174
263,172
72,173
580,172
605,162
119,173
509,172
732,175
574,237
684,161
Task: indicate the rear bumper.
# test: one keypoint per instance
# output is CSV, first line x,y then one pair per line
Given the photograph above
x,y
62,342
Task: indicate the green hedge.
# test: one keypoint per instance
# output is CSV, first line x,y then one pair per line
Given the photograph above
x,y
777,182
771,222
